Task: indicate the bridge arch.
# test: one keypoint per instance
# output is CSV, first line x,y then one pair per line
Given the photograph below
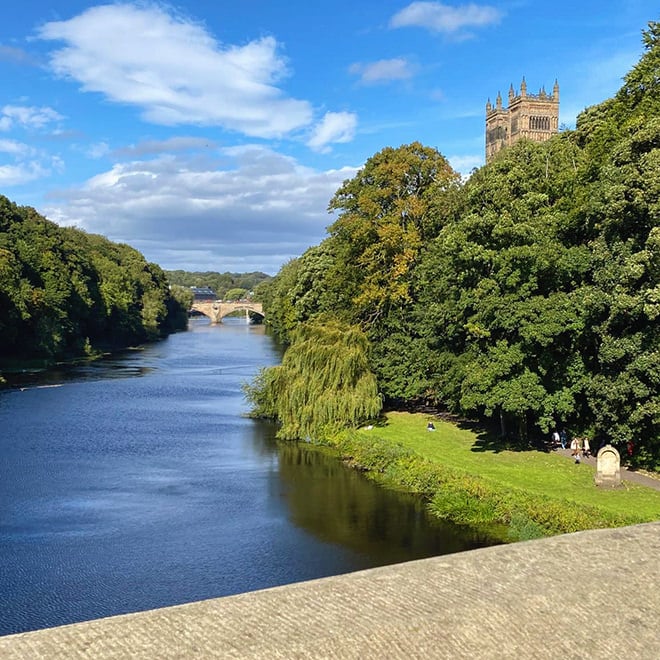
x,y
217,310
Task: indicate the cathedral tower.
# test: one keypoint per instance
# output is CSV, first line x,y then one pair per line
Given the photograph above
x,y
527,116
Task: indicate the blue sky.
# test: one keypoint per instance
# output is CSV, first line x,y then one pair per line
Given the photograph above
x,y
211,135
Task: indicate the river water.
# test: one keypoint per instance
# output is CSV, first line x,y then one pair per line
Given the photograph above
x,y
137,482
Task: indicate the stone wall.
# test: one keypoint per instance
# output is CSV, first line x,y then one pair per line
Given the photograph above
x,y
591,594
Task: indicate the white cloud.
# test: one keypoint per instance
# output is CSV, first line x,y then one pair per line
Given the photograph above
x,y
439,17
20,173
334,127
175,71
465,164
23,163
252,211
15,148
27,117
383,70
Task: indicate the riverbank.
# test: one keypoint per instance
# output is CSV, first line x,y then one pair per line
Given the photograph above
x,y
16,372
469,479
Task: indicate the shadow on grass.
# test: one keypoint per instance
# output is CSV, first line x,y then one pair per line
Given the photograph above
x,y
489,440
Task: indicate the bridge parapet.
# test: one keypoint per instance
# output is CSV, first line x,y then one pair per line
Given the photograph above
x,y
509,601
217,310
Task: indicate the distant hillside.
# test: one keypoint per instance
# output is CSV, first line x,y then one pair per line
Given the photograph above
x,y
221,283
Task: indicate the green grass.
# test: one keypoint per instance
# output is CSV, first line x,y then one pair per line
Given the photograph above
x,y
549,475
469,479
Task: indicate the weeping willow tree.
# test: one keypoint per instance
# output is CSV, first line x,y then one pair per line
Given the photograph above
x,y
323,384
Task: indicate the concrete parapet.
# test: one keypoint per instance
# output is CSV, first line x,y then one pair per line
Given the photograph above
x,y
591,594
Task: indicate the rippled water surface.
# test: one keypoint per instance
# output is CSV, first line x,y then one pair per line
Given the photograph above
x,y
137,482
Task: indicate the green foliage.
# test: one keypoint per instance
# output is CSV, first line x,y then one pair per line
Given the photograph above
x,y
65,293
303,290
529,295
323,384
474,501
498,285
236,293
388,211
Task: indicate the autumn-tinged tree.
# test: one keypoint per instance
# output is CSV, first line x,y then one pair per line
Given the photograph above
x,y
387,213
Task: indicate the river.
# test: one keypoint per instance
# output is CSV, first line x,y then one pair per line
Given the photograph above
x,y
137,482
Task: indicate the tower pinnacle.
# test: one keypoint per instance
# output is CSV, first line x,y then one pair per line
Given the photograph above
x,y
528,117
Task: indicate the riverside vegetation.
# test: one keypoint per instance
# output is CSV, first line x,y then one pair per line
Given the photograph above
x,y
469,480
527,298
67,294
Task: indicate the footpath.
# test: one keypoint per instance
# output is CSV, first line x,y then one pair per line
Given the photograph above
x,y
626,473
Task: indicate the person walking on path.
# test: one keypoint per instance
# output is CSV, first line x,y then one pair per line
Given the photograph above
x,y
556,439
563,438
586,450
575,450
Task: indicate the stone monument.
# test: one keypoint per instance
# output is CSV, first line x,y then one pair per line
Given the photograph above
x,y
608,467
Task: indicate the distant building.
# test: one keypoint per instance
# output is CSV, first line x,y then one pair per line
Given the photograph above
x,y
528,116
203,293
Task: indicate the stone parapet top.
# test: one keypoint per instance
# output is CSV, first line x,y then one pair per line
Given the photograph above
x,y
591,594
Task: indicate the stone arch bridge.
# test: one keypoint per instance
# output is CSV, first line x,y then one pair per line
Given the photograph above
x,y
216,310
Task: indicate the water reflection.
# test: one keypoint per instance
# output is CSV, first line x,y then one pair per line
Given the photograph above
x,y
124,364
339,505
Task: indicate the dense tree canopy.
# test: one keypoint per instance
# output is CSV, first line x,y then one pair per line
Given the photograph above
x,y
529,294
387,213
65,293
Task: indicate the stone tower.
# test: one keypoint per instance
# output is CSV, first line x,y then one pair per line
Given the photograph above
x,y
528,116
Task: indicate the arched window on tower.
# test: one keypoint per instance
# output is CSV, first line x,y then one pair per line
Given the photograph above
x,y
539,123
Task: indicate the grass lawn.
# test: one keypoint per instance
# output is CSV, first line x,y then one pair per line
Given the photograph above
x,y
537,472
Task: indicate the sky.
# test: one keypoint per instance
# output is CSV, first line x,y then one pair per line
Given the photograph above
x,y
211,135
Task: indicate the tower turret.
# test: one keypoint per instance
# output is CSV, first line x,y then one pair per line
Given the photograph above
x,y
527,117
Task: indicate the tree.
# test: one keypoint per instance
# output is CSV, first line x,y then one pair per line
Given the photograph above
x,y
235,294
498,287
65,293
302,291
323,384
386,216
